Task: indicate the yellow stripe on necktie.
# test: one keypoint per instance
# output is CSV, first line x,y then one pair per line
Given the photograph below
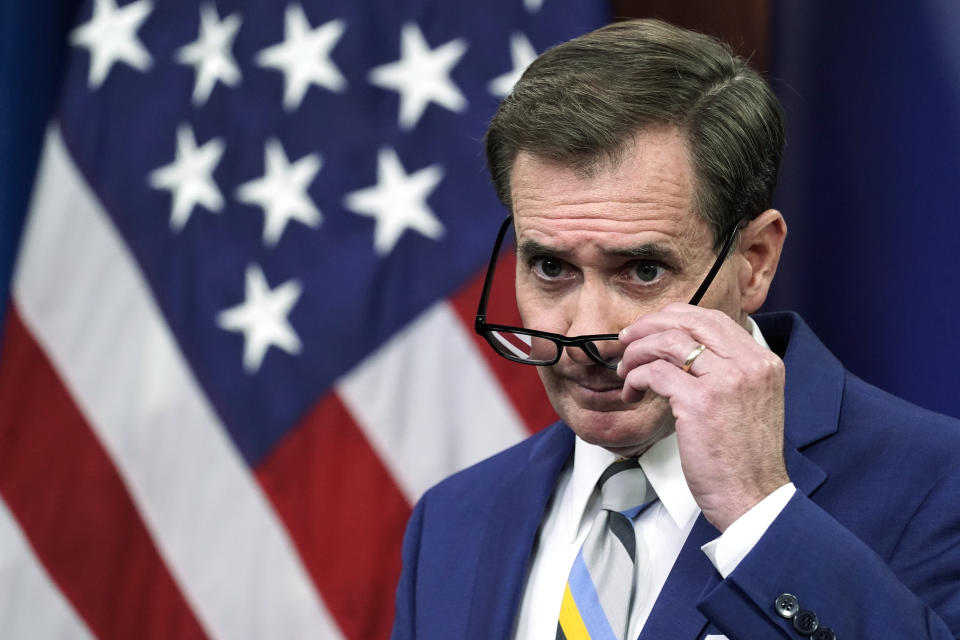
x,y
570,620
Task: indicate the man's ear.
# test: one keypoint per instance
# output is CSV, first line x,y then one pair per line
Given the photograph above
x,y
759,249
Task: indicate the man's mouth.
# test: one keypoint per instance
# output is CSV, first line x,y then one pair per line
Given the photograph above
x,y
601,387
596,392
596,389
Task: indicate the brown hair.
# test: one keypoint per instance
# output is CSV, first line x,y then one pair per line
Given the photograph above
x,y
580,102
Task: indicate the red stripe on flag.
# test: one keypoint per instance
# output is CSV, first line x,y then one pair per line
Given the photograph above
x,y
344,513
520,382
73,507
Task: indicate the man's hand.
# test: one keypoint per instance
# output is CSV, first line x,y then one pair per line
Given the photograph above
x,y
728,407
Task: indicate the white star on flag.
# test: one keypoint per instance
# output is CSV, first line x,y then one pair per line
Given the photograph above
x,y
190,177
111,36
422,75
210,54
522,54
282,191
398,201
304,56
532,6
262,318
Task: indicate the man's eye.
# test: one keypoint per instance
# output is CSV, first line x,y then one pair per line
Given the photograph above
x,y
548,267
647,271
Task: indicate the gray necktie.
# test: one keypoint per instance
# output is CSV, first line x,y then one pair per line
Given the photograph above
x,y
600,588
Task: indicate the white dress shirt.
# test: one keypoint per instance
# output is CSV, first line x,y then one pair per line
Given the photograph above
x,y
662,529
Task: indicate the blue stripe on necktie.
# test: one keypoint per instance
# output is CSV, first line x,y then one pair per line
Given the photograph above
x,y
631,513
588,602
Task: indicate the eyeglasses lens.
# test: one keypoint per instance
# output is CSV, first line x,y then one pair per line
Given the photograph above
x,y
523,347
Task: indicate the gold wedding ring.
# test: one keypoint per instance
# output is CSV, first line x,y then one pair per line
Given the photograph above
x,y
693,356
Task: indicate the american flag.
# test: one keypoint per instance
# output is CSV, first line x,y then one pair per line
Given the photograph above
x,y
239,341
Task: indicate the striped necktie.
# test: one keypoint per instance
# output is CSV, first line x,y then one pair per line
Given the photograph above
x,y
600,589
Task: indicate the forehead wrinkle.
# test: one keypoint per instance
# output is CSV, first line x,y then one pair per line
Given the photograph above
x,y
577,203
659,185
611,210
663,185
603,219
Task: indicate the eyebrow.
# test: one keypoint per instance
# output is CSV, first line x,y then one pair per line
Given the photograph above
x,y
644,251
534,248
650,251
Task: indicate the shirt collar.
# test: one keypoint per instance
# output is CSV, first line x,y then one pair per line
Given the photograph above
x,y
757,335
660,463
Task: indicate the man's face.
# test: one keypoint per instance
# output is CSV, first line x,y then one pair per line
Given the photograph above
x,y
595,253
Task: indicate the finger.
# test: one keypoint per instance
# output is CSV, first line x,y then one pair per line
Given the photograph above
x,y
662,378
703,325
673,346
726,339
711,327
691,359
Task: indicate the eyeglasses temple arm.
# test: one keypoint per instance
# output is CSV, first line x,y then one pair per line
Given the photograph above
x,y
721,257
488,280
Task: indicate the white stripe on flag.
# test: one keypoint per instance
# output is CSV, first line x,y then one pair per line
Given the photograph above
x,y
87,304
31,606
428,402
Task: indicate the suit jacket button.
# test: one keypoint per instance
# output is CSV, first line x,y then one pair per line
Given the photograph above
x,y
823,633
787,605
806,622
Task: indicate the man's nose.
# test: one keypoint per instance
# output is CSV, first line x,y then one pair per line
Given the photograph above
x,y
594,311
607,350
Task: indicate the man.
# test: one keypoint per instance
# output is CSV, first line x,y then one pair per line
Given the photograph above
x,y
780,496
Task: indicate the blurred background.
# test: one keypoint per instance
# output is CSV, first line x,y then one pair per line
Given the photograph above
x,y
241,246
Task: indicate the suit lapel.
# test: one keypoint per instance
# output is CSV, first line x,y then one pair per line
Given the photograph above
x,y
812,396
515,516
814,382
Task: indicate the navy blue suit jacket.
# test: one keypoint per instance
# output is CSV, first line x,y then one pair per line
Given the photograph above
x,y
870,541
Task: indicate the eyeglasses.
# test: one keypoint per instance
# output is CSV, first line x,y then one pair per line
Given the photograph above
x,y
541,348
